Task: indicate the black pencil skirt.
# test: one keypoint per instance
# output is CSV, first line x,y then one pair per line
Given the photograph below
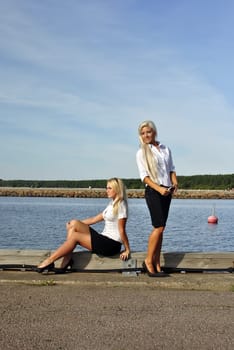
x,y
102,245
158,206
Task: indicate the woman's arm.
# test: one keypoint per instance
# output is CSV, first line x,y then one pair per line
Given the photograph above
x,y
122,230
174,180
93,220
162,190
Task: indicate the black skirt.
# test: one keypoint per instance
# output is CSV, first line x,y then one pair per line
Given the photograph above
x,y
158,206
102,245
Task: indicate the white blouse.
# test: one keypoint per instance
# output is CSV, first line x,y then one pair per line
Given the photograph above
x,y
111,228
163,159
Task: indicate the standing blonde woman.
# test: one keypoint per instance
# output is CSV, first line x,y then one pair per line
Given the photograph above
x,y
157,172
108,242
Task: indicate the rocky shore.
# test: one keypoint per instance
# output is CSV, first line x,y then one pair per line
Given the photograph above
x,y
101,193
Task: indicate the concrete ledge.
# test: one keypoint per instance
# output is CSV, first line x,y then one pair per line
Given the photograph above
x,y
88,261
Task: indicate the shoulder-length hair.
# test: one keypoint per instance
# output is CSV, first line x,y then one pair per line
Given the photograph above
x,y
121,194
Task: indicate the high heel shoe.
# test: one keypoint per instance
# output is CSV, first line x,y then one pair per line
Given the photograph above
x,y
145,268
153,274
47,268
69,264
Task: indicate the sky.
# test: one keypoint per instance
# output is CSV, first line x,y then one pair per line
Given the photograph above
x,y
78,77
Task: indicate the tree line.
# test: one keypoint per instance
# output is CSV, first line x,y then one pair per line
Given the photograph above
x,y
202,182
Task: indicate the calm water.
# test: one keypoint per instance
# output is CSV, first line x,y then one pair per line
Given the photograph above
x,y
39,223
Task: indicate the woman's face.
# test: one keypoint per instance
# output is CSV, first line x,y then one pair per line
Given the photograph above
x,y
110,191
148,135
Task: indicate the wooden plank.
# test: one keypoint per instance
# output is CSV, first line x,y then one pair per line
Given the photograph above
x,y
198,260
88,261
21,256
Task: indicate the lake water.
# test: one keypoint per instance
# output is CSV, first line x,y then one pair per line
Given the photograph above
x,y
39,223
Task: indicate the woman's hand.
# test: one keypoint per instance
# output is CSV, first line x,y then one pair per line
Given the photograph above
x,y
124,255
163,191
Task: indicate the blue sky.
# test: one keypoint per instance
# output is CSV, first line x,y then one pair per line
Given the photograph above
x,y
77,78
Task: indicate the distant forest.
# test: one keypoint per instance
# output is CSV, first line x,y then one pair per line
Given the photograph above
x,y
202,182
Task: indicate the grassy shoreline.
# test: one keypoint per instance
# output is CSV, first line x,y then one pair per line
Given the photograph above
x,y
101,193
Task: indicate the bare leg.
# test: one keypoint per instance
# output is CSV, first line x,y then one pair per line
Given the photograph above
x,y
69,226
77,234
154,250
158,252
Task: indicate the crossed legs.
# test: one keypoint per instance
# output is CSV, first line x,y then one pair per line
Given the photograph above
x,y
77,233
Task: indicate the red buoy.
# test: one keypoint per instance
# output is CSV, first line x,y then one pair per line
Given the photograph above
x,y
212,219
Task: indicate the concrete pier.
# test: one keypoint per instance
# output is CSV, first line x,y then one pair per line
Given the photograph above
x,y
87,261
214,270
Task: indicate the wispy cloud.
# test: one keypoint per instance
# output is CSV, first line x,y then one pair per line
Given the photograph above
x,y
77,78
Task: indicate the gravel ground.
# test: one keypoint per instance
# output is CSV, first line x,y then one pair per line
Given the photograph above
x,y
111,311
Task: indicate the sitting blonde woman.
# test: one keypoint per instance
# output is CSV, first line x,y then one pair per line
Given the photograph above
x,y
106,243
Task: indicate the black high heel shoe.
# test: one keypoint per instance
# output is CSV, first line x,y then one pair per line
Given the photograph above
x,y
46,268
69,264
150,274
153,274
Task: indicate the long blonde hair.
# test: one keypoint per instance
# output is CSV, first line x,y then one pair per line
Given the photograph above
x,y
150,162
121,194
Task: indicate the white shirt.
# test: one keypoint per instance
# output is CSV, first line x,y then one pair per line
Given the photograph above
x,y
111,228
163,159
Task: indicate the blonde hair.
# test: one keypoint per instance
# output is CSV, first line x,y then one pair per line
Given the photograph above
x,y
150,161
121,195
